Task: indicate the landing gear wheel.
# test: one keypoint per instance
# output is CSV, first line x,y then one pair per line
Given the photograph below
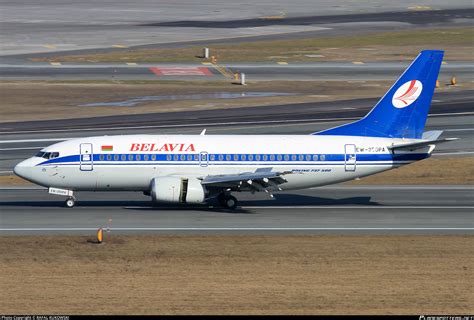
x,y
70,202
230,202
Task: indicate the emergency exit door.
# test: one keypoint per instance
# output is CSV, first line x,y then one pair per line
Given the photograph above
x,y
86,157
350,161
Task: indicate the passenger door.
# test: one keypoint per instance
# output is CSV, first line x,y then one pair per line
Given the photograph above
x,y
86,162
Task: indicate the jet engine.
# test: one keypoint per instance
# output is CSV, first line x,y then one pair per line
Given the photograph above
x,y
177,189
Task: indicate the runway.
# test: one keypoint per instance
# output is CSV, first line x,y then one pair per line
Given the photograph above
x,y
343,71
334,209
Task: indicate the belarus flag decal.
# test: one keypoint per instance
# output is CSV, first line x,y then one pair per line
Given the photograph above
x,y
107,148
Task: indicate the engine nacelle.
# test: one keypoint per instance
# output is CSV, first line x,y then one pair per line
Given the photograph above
x,y
176,189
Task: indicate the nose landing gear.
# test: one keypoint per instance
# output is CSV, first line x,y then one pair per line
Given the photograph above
x,y
70,202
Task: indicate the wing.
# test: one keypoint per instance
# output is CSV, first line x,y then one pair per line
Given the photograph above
x,y
260,180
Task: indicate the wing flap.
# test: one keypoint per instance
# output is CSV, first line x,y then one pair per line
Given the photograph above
x,y
258,180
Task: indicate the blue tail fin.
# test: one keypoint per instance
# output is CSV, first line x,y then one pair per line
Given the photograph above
x,y
402,111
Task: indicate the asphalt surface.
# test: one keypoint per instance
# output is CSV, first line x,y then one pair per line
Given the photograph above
x,y
337,209
464,71
47,27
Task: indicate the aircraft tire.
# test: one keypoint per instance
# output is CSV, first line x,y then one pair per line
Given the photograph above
x,y
230,202
70,202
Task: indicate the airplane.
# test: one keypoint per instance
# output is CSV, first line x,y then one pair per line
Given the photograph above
x,y
194,169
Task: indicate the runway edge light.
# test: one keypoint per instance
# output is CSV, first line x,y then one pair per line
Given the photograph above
x,y
100,235
453,81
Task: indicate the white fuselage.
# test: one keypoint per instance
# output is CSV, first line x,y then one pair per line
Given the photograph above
x,y
131,162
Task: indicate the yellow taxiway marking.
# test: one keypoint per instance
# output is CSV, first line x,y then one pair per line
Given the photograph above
x,y
357,62
282,62
55,63
206,63
419,8
444,62
119,46
280,16
131,63
49,46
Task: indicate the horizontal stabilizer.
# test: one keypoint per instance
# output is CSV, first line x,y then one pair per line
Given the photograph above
x,y
410,146
432,135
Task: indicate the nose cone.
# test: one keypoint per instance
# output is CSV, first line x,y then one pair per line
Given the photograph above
x,y
23,170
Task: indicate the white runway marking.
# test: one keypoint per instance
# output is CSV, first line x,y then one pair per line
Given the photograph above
x,y
452,153
358,207
25,148
202,125
245,229
468,129
33,140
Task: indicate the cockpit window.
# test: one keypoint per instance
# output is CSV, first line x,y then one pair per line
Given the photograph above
x,y
47,155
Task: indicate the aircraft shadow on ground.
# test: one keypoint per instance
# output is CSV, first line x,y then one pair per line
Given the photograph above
x,y
279,200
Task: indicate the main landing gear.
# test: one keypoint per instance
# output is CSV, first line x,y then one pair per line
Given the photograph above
x,y
227,201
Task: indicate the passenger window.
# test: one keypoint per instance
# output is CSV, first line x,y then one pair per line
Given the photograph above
x,y
145,157
212,157
153,157
175,157
123,157
308,157
265,157
109,157
168,157
301,157
287,157
236,157
272,157
138,157
279,157
130,157
101,157
227,157
250,157
257,157
221,157
322,157
116,157
293,157
315,157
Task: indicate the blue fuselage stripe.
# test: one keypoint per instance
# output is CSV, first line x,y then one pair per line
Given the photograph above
x,y
235,159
